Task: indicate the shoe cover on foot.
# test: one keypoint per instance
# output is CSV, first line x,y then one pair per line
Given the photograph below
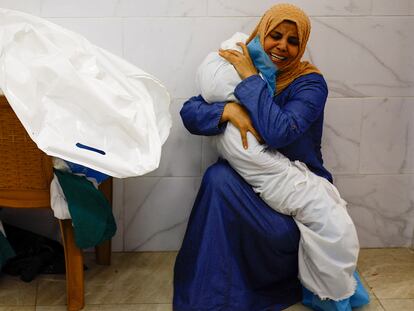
x,y
358,299
315,303
361,296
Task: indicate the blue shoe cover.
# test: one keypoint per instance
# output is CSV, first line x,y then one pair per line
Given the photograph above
x,y
358,299
315,303
361,296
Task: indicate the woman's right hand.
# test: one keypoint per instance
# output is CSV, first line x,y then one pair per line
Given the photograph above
x,y
239,117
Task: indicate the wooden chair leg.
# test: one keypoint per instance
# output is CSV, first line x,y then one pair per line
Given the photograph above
x,y
103,253
74,267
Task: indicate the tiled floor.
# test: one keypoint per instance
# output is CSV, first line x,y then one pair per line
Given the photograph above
x,y
143,282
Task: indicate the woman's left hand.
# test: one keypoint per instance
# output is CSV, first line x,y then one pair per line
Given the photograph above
x,y
241,61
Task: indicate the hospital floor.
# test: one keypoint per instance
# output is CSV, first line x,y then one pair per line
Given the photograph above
x,y
143,282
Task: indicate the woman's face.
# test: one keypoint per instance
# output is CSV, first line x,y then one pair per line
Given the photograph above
x,y
282,43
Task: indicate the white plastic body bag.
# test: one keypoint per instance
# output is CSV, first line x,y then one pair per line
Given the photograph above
x,y
216,78
79,102
329,247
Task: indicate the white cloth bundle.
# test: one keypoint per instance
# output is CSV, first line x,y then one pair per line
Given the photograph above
x,y
329,246
216,78
58,200
79,102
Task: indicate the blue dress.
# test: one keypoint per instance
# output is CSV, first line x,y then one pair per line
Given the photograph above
x,y
238,253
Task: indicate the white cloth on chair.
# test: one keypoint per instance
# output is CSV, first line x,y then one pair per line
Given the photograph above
x,y
58,200
2,229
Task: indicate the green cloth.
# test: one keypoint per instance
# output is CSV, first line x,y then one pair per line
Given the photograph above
x,y
92,218
6,251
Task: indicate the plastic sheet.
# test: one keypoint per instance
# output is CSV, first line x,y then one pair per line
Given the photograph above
x,y
216,78
79,102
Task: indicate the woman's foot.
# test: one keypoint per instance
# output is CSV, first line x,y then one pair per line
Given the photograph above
x,y
358,299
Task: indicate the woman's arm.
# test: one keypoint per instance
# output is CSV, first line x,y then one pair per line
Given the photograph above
x,y
280,126
202,118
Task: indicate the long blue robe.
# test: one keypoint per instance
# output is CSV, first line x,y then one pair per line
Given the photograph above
x,y
238,253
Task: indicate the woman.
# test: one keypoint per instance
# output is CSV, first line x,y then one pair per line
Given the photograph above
x,y
238,254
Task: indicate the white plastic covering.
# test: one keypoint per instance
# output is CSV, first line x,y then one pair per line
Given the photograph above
x,y
216,78
79,102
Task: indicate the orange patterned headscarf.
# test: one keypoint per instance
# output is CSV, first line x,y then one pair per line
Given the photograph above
x,y
273,17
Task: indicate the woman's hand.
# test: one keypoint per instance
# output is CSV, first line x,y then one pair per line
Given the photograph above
x,y
239,117
241,61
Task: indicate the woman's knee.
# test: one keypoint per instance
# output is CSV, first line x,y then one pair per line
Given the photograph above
x,y
220,175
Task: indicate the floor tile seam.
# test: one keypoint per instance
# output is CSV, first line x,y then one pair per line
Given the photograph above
x,y
32,304
397,299
14,306
385,298
394,298
380,301
370,289
93,304
382,306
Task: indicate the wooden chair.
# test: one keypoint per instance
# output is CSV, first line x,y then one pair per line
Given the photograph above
x,y
26,173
